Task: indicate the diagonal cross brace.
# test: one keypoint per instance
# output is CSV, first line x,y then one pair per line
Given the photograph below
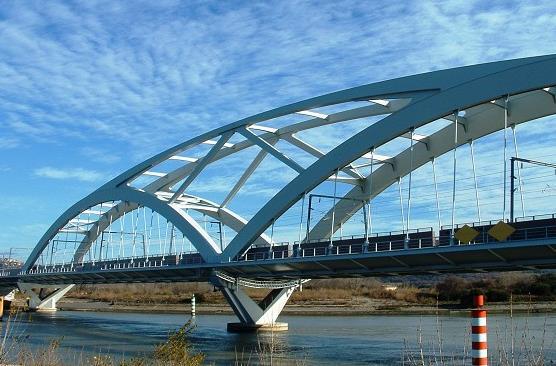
x,y
201,164
270,149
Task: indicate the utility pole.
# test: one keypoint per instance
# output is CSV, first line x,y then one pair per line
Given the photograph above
x,y
513,160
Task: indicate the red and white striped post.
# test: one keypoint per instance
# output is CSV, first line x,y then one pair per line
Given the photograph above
x,y
479,332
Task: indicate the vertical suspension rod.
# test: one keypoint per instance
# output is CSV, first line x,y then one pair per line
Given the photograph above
x,y
92,247
436,193
111,238
122,233
505,155
159,234
409,188
145,236
365,222
369,202
308,218
512,189
333,208
475,180
454,175
401,202
271,236
101,235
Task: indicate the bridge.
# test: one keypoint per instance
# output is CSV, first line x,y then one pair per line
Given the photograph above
x,y
183,215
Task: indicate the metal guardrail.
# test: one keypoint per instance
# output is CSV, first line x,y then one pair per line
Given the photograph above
x,y
522,234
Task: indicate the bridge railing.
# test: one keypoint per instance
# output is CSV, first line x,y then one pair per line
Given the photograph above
x,y
5,272
120,263
357,245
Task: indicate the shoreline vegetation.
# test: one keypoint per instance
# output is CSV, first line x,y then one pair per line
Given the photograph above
x,y
307,310
527,292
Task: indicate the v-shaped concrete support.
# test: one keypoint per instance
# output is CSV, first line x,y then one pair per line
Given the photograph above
x,y
255,316
37,302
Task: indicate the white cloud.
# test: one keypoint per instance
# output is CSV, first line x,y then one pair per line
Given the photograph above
x,y
100,155
8,143
152,77
80,174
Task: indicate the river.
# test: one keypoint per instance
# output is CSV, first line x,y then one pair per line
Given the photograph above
x,y
319,340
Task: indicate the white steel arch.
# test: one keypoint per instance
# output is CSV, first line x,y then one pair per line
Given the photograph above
x,y
407,103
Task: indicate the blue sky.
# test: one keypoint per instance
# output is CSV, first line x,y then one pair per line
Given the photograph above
x,y
89,89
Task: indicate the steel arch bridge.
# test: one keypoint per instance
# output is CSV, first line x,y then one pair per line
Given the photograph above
x,y
150,222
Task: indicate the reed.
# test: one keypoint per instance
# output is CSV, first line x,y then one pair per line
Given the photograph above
x,y
510,344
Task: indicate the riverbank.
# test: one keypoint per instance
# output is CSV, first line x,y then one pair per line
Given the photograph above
x,y
371,307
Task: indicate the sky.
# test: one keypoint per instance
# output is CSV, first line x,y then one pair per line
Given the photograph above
x,y
89,89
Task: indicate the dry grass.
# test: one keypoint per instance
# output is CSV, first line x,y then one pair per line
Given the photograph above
x,y
333,292
148,293
450,290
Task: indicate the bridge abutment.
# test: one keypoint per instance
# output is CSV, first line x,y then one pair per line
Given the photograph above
x,y
43,301
255,316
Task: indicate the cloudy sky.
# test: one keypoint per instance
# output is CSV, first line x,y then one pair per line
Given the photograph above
x,y
89,89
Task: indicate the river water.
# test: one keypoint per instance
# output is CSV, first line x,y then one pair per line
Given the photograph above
x,y
312,340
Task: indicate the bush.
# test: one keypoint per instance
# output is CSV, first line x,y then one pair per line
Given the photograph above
x,y
452,288
176,351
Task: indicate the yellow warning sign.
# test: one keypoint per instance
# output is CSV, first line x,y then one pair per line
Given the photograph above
x,y
466,234
501,231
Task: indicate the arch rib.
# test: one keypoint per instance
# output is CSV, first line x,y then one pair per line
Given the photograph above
x,y
206,247
480,124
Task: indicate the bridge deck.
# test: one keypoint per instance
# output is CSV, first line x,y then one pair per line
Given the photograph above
x,y
522,255
531,246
